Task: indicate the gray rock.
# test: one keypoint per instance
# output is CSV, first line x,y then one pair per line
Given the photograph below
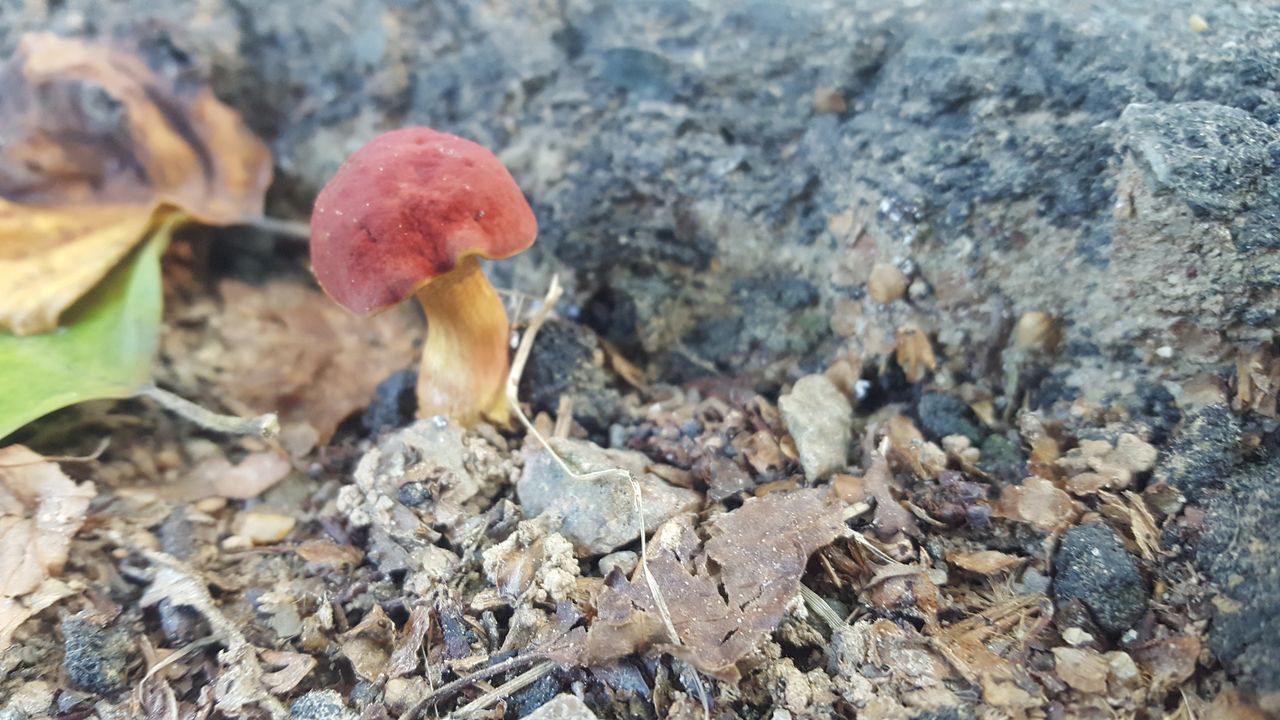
x,y
942,415
394,403
1212,157
597,515
1092,566
820,420
1235,548
96,657
562,707
321,705
567,361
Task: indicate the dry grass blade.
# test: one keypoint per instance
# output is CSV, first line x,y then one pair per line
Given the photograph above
x,y
523,680
264,426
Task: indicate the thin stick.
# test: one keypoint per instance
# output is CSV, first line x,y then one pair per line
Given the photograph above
x,y
265,426
523,680
97,452
291,229
444,692
513,399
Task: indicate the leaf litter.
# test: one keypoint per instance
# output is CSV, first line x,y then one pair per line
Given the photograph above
x,y
402,570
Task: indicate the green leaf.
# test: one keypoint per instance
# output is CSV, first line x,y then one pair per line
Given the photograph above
x,y
104,348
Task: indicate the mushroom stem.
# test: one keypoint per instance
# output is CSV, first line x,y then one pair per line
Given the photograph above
x,y
464,361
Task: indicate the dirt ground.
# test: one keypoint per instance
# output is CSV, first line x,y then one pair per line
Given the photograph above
x,y
916,361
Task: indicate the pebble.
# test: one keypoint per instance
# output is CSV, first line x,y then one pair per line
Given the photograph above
x,y
886,284
597,514
321,705
95,657
820,420
1094,568
624,561
263,528
562,707
942,415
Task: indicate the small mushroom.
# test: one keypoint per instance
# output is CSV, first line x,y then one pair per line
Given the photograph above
x,y
411,213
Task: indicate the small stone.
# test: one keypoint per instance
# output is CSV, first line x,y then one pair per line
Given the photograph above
x,y
211,505
1197,24
321,705
1035,331
395,401
562,707
820,420
1094,567
1076,637
624,561
264,528
1124,670
236,542
96,657
942,415
829,100
886,284
597,514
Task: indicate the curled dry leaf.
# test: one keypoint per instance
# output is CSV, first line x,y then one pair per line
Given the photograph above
x,y
41,509
914,353
985,562
292,351
760,550
94,143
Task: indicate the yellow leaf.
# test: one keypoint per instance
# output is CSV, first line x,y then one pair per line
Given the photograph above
x,y
93,143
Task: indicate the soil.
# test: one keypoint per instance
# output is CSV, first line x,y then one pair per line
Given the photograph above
x,y
1046,488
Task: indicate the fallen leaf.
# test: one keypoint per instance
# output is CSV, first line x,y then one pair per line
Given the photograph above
x,y
327,553
1081,668
985,562
292,351
106,350
41,509
1168,662
914,353
293,668
760,549
94,147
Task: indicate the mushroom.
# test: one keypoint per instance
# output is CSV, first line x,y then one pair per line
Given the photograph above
x,y
411,213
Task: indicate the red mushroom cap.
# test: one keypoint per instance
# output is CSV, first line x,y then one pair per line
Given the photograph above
x,y
405,208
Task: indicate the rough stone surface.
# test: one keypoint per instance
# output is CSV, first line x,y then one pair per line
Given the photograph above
x,y
395,402
562,707
1092,566
321,705
942,414
567,361
1236,549
820,420
985,145
96,657
597,514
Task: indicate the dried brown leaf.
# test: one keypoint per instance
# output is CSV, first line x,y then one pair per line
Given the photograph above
x,y
1170,661
292,351
890,519
41,509
914,353
760,550
985,562
82,185
1083,669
